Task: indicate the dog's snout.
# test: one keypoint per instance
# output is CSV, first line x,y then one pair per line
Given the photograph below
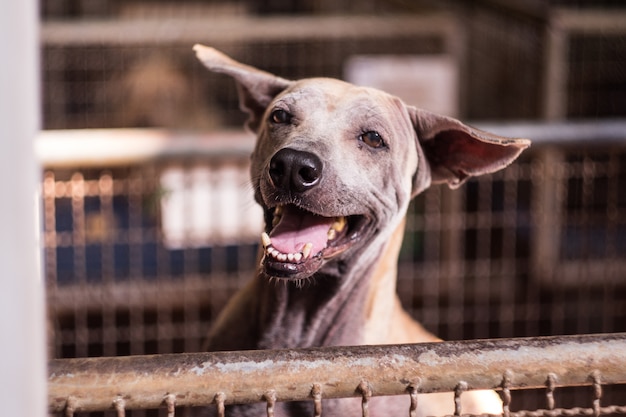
x,y
295,171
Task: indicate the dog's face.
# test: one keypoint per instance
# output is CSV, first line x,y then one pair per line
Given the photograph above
x,y
335,165
332,168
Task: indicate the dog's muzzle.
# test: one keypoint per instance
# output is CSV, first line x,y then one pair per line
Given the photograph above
x,y
299,240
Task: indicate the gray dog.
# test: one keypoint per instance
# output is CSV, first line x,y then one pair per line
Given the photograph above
x,y
334,168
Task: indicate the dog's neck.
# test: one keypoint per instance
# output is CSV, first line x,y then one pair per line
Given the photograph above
x,y
352,305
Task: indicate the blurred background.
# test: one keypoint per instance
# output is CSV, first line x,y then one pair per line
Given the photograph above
x,y
149,223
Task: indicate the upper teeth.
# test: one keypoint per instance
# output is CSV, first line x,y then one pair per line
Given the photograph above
x,y
278,212
338,225
265,239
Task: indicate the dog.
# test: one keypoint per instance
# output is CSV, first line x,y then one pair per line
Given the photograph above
x,y
334,168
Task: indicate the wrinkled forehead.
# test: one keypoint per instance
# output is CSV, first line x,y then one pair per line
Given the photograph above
x,y
335,96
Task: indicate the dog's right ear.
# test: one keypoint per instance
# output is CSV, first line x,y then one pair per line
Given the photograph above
x,y
256,88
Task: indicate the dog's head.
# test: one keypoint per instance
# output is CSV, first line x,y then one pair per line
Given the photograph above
x,y
335,165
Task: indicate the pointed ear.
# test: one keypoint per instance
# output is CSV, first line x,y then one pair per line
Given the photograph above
x,y
456,151
256,88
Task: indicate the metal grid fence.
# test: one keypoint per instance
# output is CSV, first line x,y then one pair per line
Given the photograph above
x,y
534,250
142,72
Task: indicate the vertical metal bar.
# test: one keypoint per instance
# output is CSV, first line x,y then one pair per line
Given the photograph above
x,y
105,239
219,402
549,193
366,392
76,187
451,229
170,402
430,294
50,241
105,194
507,298
316,393
70,407
270,397
50,236
597,392
23,347
458,391
120,407
582,220
412,389
137,334
550,387
611,229
555,72
506,394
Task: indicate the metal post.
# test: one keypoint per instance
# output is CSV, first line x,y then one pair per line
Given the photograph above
x,y
22,350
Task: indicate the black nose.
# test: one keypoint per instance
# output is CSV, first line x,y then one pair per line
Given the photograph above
x,y
295,171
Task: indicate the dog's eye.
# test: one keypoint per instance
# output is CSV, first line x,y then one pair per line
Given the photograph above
x,y
280,117
372,139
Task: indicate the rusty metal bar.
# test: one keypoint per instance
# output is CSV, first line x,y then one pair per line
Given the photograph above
x,y
251,376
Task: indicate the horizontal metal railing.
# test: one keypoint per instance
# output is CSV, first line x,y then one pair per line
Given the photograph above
x,y
202,379
241,29
112,147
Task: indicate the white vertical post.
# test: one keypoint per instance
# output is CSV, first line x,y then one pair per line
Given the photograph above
x,y
22,313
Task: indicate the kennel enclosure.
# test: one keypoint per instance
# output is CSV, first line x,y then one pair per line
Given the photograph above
x,y
132,266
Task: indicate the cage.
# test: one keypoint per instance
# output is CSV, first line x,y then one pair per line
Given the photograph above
x,y
140,143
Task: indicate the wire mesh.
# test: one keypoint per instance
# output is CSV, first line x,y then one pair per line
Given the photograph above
x,y
536,249
471,267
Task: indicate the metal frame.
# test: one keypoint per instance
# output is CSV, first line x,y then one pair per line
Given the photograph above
x,y
563,24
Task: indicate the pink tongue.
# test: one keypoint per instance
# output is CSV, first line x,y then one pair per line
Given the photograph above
x,y
296,228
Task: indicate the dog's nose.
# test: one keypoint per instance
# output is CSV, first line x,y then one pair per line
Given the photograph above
x,y
296,171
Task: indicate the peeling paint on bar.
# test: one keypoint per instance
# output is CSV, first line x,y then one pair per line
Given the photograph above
x,y
243,377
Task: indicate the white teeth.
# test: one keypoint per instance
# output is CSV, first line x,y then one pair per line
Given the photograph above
x,y
332,233
265,239
274,253
306,250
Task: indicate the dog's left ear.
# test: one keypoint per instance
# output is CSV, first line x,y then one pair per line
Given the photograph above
x,y
455,151
256,88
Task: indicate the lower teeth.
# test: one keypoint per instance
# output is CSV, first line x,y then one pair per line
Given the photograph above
x,y
305,253
284,257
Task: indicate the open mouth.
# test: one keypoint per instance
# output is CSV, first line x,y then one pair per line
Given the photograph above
x,y
300,241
